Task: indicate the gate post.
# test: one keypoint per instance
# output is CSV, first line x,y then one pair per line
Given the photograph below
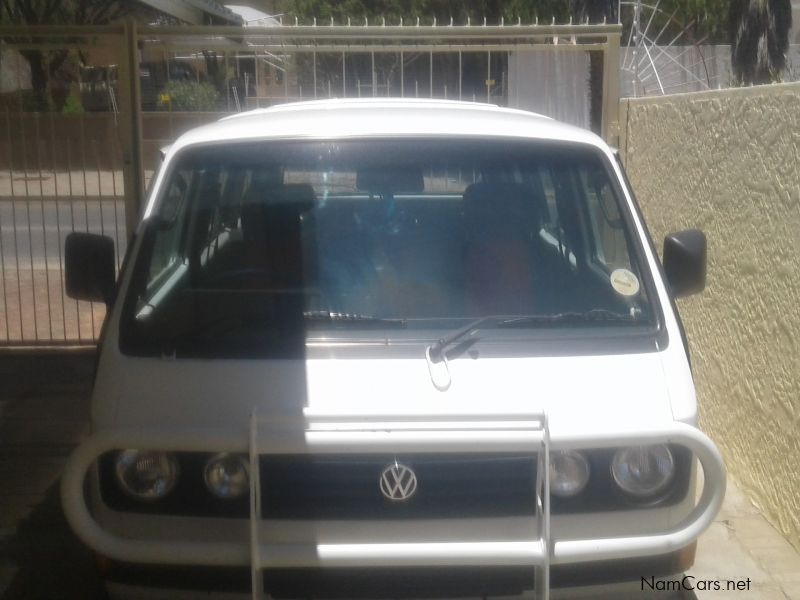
x,y
610,120
131,126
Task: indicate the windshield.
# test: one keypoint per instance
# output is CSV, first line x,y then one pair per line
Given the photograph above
x,y
252,248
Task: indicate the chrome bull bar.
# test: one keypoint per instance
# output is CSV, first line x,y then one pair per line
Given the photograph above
x,y
317,433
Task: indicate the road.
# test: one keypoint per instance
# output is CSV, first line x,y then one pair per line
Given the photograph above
x,y
32,231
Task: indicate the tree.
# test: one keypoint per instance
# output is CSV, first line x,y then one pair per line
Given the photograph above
x,y
759,36
415,64
46,66
688,21
704,21
426,10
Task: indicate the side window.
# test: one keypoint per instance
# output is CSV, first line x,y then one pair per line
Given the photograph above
x,y
206,223
222,211
552,232
166,248
550,220
605,221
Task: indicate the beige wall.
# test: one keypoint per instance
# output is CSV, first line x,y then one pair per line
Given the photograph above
x,y
728,162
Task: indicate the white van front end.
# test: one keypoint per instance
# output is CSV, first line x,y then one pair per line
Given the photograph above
x,y
350,360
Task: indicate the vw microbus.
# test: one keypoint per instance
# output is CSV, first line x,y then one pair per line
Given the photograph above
x,y
390,349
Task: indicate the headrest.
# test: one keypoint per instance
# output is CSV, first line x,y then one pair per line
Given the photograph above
x,y
502,208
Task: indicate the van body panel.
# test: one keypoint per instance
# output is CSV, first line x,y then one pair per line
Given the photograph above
x,y
613,391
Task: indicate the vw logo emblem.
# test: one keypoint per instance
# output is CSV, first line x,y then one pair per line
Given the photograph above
x,y
398,482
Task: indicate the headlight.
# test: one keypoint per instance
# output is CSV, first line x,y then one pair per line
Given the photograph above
x,y
643,471
145,474
227,475
569,473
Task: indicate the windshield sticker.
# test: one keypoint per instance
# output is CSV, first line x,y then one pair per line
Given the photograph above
x,y
624,282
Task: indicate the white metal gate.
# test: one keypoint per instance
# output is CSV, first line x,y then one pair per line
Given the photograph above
x,y
88,171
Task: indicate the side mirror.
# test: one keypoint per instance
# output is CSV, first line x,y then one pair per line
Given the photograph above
x,y
685,262
89,267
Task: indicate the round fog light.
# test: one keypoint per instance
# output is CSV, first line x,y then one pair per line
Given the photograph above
x,y
227,475
145,474
643,471
569,473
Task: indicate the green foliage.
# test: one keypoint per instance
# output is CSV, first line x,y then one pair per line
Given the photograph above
x,y
53,12
759,40
426,10
50,68
73,104
708,17
189,96
696,20
683,22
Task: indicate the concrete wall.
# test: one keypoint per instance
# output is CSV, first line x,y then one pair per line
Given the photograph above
x,y
728,162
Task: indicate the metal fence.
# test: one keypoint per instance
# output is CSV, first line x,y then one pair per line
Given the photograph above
x,y
60,174
88,171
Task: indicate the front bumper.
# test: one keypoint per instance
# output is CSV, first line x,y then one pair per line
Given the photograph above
x,y
578,580
335,434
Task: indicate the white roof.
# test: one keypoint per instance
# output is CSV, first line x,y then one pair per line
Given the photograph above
x,y
390,117
253,17
193,11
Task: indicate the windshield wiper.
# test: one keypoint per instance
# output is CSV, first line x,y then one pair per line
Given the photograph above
x,y
436,350
337,317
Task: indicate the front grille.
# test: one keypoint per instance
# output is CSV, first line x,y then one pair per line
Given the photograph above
x,y
348,487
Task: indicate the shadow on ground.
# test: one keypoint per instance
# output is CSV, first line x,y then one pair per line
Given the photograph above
x,y
51,562
44,413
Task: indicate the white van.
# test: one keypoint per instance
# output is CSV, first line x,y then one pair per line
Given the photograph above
x,y
390,349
